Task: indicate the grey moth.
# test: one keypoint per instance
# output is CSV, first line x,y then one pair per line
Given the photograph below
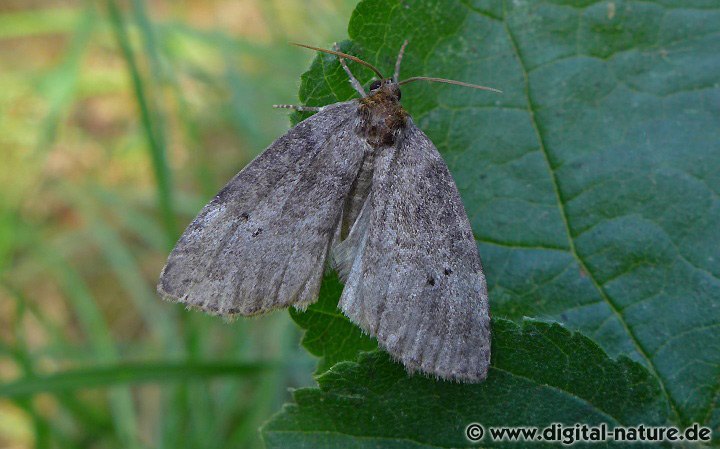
x,y
357,187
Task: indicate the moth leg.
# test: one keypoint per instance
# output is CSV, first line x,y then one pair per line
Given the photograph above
x,y
298,108
396,76
353,81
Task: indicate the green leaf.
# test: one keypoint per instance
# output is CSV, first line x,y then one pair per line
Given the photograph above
x,y
541,374
330,335
592,183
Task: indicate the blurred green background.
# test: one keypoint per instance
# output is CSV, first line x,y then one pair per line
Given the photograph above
x,y
118,121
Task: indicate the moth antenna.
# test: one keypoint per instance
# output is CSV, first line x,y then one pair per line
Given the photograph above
x,y
396,75
353,81
446,81
344,55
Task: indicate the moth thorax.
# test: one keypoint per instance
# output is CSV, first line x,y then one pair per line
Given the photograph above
x,y
382,118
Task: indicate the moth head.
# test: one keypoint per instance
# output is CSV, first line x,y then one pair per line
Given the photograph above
x,y
388,86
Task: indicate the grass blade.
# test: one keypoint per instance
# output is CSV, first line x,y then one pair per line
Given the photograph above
x,y
154,134
127,373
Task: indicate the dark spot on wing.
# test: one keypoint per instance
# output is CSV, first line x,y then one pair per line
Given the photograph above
x,y
448,271
257,232
224,194
215,309
431,280
165,285
252,309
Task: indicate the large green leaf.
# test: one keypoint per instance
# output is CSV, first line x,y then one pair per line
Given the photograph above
x,y
541,374
592,183
330,335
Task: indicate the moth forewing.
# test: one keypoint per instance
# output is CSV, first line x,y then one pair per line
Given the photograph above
x,y
262,242
417,284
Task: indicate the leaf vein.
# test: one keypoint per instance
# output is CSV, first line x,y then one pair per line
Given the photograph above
x,y
564,392
561,206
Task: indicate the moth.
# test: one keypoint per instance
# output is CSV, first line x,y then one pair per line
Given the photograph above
x,y
357,187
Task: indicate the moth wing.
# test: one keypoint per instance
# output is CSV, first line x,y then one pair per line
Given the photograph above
x,y
416,280
262,242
